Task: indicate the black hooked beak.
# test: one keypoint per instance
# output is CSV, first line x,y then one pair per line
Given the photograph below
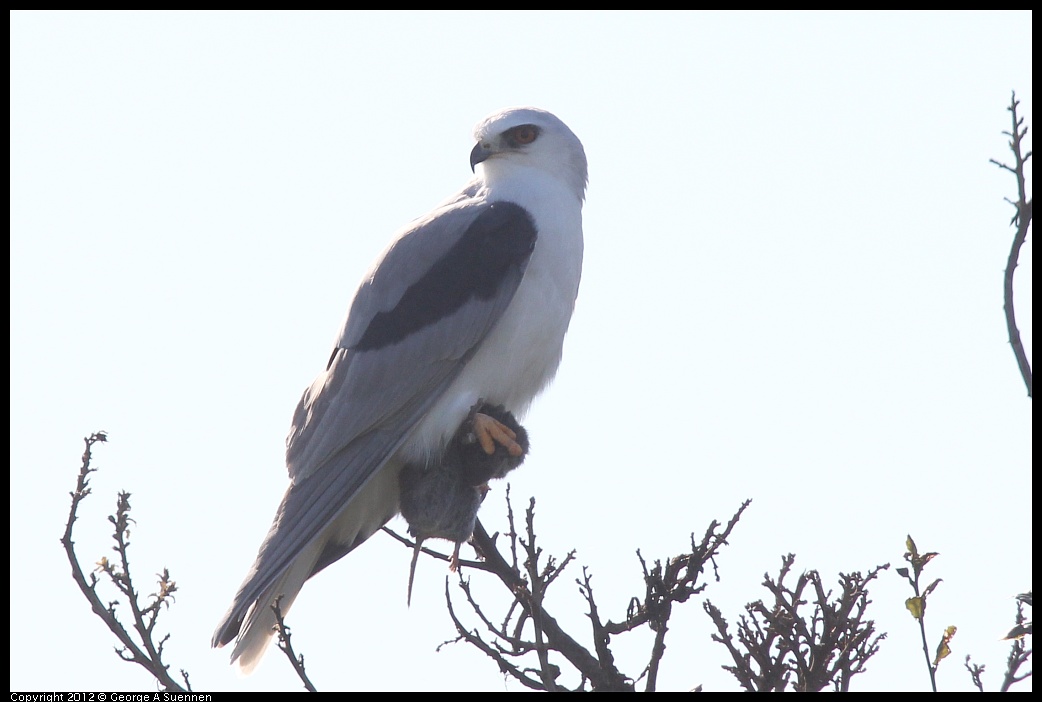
x,y
479,153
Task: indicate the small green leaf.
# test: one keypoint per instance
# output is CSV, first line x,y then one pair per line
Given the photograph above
x,y
915,606
926,558
943,649
931,587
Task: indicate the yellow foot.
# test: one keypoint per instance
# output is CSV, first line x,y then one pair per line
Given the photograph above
x,y
491,432
454,560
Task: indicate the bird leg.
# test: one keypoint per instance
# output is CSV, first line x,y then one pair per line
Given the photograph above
x,y
490,431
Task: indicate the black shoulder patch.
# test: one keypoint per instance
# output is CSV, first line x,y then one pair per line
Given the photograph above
x,y
495,247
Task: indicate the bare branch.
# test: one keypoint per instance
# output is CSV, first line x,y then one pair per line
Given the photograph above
x,y
1022,220
1019,653
475,640
147,653
528,629
779,646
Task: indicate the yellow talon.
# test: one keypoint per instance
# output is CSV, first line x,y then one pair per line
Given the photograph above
x,y
491,431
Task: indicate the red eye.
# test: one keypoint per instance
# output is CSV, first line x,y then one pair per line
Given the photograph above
x,y
525,134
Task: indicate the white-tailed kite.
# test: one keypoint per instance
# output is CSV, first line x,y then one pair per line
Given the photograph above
x,y
468,305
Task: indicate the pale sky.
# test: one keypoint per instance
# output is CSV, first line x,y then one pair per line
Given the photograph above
x,y
792,292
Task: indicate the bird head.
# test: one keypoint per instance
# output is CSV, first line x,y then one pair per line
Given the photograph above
x,y
528,138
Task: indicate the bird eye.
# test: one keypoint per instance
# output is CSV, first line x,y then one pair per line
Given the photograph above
x,y
525,134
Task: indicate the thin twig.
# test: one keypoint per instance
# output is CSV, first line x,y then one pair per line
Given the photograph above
x,y
477,565
286,646
975,672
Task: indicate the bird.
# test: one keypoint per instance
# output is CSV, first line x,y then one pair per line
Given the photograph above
x,y
468,305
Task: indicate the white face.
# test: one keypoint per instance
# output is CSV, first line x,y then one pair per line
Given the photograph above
x,y
533,138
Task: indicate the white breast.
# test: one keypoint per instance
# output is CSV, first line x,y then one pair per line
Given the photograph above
x,y
520,356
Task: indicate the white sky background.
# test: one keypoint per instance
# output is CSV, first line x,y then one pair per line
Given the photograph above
x,y
792,292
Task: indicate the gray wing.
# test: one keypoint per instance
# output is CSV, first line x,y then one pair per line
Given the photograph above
x,y
415,321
